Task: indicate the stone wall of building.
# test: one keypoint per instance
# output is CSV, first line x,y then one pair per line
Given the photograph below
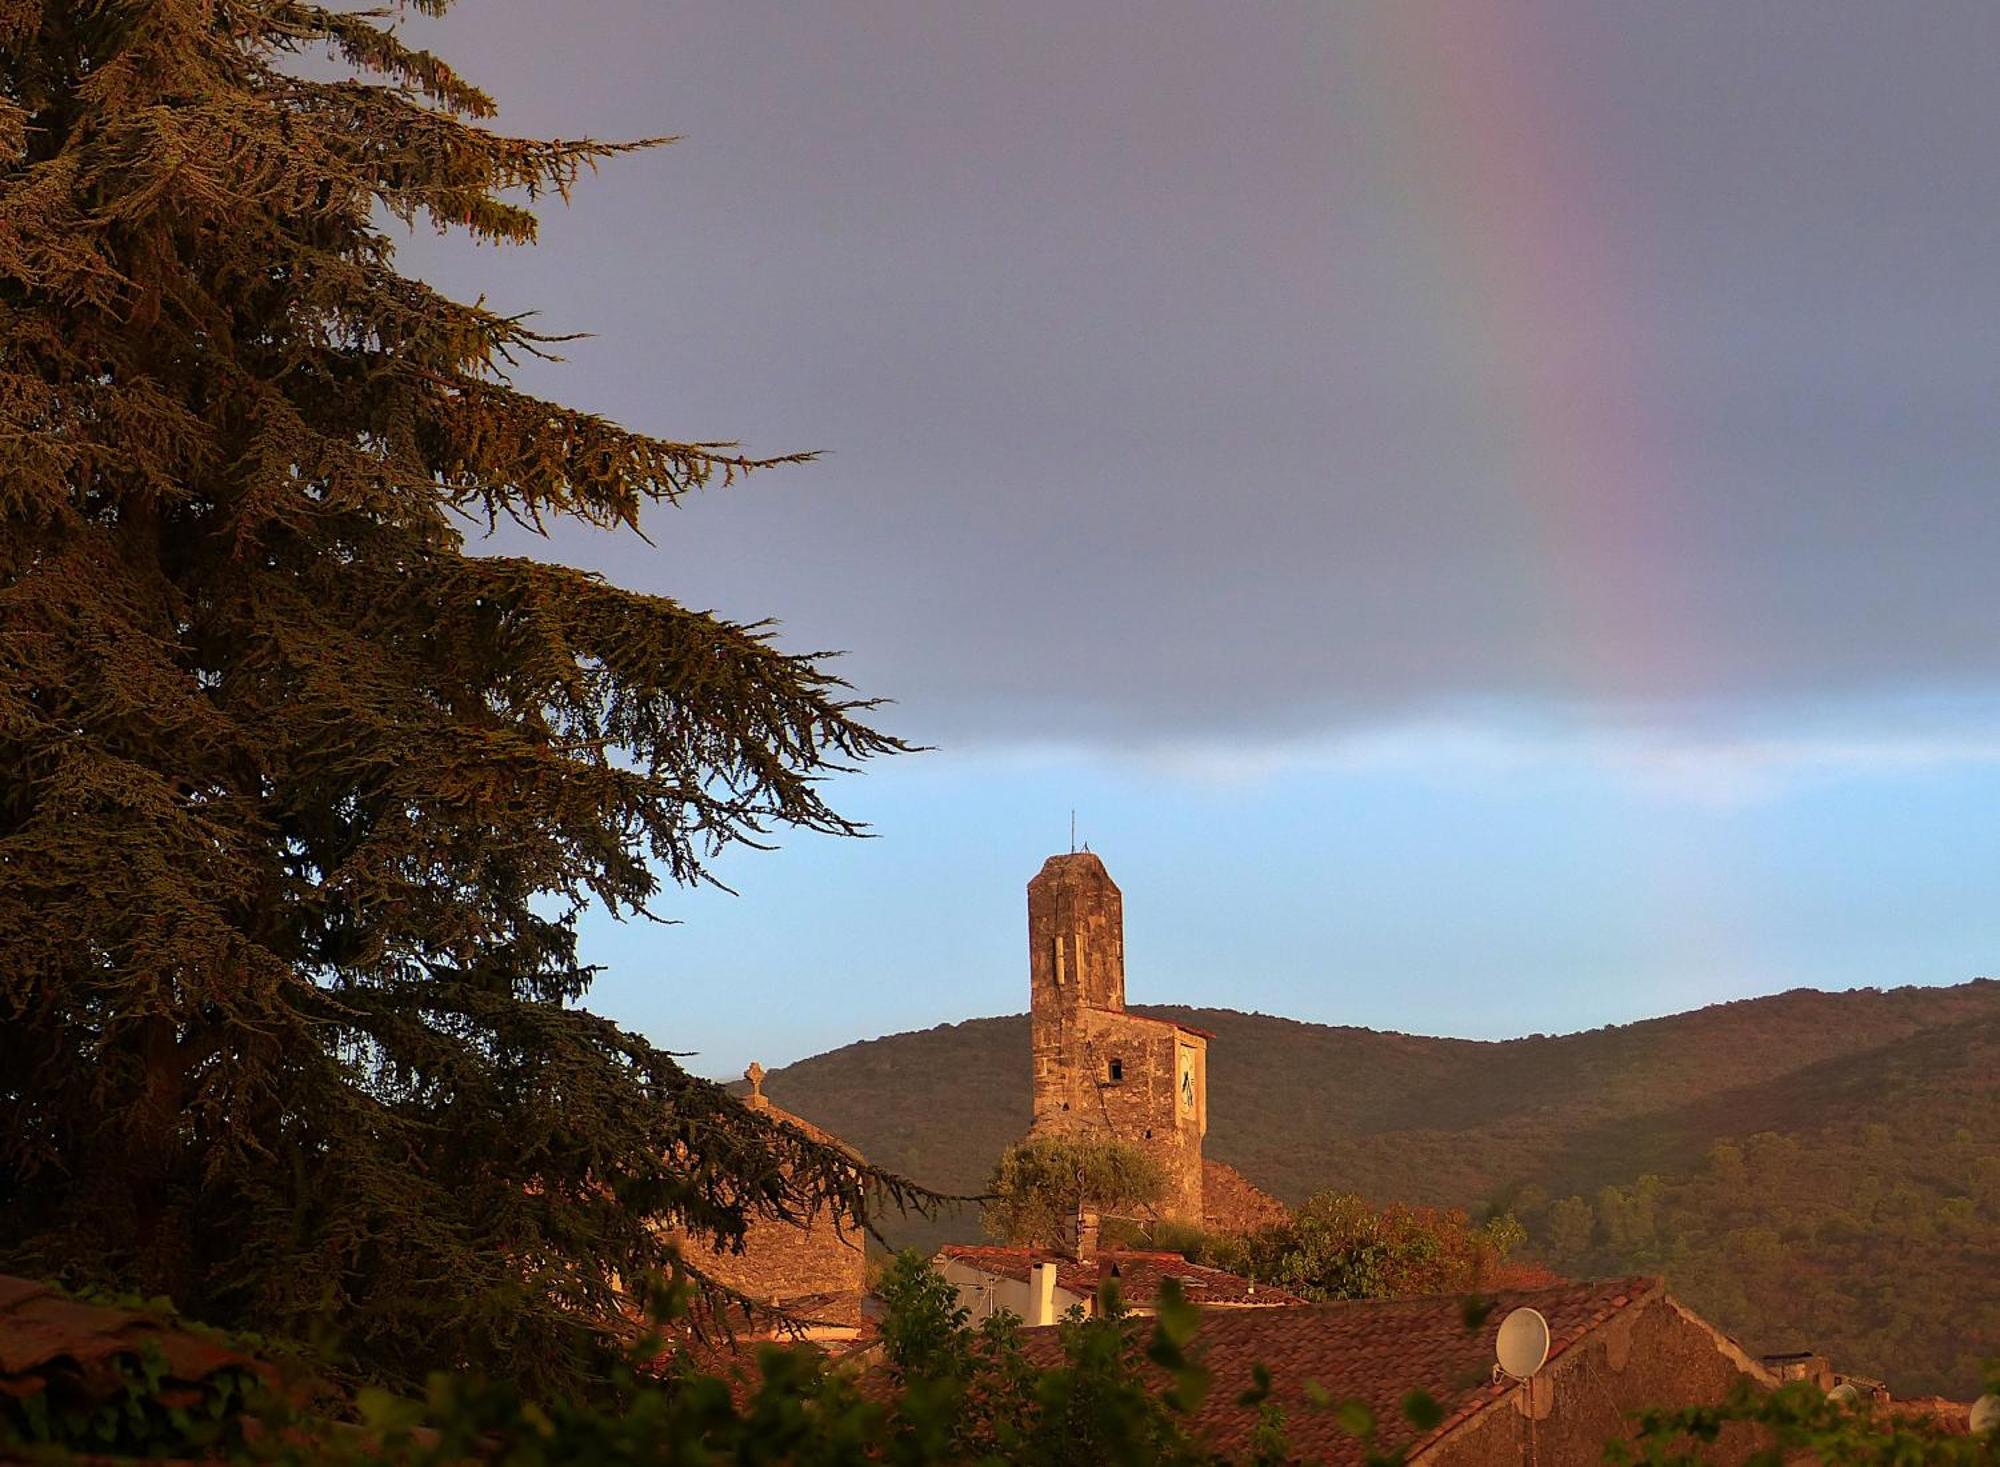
x,y
783,1262
983,1292
1076,932
1130,1069
1076,962
1097,1067
1655,1354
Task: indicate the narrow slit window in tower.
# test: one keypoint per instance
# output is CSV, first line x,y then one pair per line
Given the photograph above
x,y
1117,1070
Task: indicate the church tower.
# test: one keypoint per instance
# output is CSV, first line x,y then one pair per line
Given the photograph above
x,y
1096,1067
1076,954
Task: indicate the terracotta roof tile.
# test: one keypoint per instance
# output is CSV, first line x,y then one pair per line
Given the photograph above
x,y
799,1123
45,1336
1376,1350
13,1291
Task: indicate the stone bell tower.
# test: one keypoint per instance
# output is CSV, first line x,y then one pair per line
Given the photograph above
x,y
1096,1067
1076,947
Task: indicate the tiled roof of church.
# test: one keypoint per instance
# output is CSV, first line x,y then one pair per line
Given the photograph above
x,y
1138,1274
1376,1350
757,1100
812,1132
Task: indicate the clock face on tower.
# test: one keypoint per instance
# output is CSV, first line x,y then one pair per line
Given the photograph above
x,y
1187,1080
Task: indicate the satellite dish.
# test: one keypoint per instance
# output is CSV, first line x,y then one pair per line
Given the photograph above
x,y
1523,1344
1985,1414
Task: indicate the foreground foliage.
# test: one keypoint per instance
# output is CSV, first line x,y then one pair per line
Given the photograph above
x,y
298,800
1800,1419
1114,1389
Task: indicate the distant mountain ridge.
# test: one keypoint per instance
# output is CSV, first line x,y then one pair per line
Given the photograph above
x,y
1297,1107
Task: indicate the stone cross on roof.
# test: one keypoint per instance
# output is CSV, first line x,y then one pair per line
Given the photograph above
x,y
756,1100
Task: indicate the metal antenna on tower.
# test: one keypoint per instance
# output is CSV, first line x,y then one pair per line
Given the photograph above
x,y
1072,832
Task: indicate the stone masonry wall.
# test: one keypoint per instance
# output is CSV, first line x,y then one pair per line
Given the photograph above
x,y
1143,1105
782,1262
1650,1355
1076,961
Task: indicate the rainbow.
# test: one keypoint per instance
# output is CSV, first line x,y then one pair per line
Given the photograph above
x,y
1482,136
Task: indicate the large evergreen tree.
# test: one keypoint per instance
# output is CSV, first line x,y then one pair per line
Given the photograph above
x,y
298,800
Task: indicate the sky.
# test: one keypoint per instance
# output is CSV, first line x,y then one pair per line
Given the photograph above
x,y
1485,511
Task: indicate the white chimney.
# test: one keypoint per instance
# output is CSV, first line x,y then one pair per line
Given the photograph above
x,y
1042,1286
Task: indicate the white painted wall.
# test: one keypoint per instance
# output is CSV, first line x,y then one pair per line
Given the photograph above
x,y
983,1294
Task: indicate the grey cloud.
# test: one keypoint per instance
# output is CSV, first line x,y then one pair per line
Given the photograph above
x,y
1158,399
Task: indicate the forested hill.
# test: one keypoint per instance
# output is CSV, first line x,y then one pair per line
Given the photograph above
x,y
1887,1102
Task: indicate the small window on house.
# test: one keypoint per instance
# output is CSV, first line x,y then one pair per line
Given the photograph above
x,y
1117,1070
1149,1133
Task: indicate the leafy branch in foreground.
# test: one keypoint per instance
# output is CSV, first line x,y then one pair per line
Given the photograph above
x,y
1108,1388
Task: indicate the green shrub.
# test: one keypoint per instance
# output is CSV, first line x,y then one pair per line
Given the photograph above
x,y
1039,1185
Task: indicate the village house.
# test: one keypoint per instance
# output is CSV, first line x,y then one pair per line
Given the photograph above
x,y
1041,1286
1615,1347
